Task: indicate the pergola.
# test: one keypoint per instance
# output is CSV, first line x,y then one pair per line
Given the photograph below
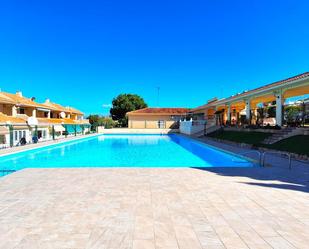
x,y
275,92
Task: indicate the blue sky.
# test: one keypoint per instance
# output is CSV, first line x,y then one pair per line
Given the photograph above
x,y
84,53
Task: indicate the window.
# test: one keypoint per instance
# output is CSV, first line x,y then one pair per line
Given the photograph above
x,y
24,134
161,124
20,134
16,136
21,111
45,114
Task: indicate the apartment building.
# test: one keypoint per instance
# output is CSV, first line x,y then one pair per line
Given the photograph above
x,y
24,118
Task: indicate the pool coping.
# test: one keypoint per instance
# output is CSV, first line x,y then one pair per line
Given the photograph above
x,y
44,144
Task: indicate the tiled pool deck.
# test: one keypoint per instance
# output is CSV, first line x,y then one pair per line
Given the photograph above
x,y
122,208
154,208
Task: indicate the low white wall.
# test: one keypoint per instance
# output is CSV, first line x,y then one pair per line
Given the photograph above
x,y
137,131
191,127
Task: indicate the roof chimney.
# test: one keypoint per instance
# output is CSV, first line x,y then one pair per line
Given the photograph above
x,y
19,93
47,100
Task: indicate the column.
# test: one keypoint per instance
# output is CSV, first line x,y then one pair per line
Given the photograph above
x,y
248,111
14,111
48,114
279,103
229,112
34,113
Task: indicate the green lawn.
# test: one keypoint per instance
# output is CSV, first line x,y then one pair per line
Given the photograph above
x,y
241,137
297,144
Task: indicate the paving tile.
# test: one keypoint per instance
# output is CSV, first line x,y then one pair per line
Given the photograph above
x,y
143,244
279,243
174,208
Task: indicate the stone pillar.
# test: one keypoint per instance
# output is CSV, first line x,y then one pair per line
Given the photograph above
x,y
48,114
229,112
279,109
248,110
34,113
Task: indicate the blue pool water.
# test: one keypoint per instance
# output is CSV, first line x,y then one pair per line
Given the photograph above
x,y
124,151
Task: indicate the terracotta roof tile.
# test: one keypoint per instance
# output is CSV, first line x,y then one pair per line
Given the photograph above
x,y
6,99
60,121
170,111
60,108
73,110
18,100
14,120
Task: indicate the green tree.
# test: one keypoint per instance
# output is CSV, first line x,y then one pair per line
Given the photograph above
x,y
96,120
124,103
108,122
291,113
271,111
261,115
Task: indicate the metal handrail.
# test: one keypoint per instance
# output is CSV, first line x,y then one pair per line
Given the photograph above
x,y
252,151
277,153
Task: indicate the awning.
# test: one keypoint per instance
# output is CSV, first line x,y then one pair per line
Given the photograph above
x,y
78,128
43,109
59,128
70,129
219,112
20,127
4,130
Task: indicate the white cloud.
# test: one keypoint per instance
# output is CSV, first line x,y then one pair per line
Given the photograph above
x,y
107,105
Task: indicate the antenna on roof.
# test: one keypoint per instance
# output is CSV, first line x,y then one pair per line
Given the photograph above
x,y
158,95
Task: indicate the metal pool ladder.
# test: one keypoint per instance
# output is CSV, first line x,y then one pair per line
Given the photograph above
x,y
262,156
277,153
250,152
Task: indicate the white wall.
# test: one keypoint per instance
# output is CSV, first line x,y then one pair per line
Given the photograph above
x,y
191,127
137,131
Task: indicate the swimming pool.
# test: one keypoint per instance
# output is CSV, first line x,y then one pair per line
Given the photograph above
x,y
124,151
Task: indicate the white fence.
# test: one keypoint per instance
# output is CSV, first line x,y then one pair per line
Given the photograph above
x,y
192,126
